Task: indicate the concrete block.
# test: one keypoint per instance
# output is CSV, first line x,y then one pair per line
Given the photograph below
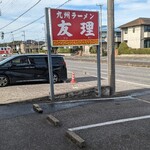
x,y
37,108
61,96
53,120
106,90
71,94
76,139
88,90
77,93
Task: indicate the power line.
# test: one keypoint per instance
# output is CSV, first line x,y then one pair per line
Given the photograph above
x,y
25,25
35,20
6,3
20,15
63,3
11,6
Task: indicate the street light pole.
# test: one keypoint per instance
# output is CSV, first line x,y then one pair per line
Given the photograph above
x,y
100,23
110,46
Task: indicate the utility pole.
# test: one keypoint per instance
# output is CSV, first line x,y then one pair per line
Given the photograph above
x,y
100,23
45,35
24,41
24,36
38,45
13,40
110,46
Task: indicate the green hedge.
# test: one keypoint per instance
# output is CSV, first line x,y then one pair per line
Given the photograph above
x,y
141,51
93,49
124,49
64,50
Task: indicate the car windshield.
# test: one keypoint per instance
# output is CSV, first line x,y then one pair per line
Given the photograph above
x,y
6,60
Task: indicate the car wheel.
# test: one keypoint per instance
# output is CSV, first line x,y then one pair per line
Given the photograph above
x,y
3,81
55,78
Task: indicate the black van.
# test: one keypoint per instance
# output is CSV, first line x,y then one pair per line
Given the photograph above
x,y
30,68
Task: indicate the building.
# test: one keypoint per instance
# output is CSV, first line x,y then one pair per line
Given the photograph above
x,y
136,33
117,39
31,46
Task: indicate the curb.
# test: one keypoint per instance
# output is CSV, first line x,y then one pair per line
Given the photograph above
x,y
105,92
78,94
118,62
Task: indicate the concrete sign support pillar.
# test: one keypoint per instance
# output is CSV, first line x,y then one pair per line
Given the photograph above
x,y
110,46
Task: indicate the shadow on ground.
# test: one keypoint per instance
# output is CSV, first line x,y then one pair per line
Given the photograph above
x,y
134,92
85,79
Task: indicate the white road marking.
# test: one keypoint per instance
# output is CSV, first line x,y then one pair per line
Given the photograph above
x,y
109,123
141,93
139,99
139,84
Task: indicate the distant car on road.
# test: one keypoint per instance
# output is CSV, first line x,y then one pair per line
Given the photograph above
x,y
30,68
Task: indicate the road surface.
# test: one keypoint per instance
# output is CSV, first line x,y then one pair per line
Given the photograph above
x,y
135,75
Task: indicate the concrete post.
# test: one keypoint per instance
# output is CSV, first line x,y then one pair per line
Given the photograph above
x,y
110,46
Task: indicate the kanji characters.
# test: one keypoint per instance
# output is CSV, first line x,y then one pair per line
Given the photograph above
x,y
87,28
67,15
59,14
64,28
73,15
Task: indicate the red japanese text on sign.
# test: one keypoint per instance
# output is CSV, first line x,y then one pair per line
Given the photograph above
x,y
72,27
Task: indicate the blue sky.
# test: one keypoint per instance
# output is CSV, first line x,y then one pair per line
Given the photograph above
x,y
125,11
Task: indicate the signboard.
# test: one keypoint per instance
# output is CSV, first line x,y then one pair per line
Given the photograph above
x,y
72,27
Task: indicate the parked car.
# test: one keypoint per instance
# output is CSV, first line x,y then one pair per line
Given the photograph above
x,y
30,68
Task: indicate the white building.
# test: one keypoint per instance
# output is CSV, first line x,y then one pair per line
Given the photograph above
x,y
136,33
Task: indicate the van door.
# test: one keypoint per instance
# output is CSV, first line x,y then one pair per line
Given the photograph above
x,y
41,67
21,70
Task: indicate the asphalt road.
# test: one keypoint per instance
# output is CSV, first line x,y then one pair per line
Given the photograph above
x,y
131,74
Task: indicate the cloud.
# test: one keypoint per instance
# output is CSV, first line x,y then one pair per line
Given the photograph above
x,y
125,11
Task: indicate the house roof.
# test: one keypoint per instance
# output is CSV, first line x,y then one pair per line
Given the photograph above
x,y
136,22
104,29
